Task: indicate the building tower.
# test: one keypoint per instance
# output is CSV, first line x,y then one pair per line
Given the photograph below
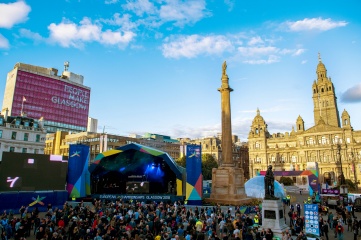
x,y
346,121
300,124
324,98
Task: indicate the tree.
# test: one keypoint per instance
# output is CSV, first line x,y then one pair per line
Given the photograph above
x,y
287,181
208,163
351,185
181,161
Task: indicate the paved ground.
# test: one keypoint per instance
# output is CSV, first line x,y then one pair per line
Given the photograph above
x,y
296,198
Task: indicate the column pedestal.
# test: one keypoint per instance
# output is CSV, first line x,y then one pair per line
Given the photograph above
x,y
228,186
273,217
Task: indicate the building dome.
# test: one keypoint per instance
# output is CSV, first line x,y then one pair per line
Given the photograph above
x,y
321,67
258,119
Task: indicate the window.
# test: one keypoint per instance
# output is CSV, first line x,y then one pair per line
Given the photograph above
x,y
25,150
294,159
26,136
13,135
1,133
273,159
323,140
12,149
36,151
258,145
37,139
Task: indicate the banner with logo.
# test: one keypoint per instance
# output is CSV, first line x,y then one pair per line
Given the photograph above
x,y
78,181
194,185
311,220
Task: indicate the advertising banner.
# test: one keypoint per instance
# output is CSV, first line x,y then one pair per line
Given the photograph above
x,y
194,174
331,191
311,220
78,182
53,99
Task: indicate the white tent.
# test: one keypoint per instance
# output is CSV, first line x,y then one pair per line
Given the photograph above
x,y
255,188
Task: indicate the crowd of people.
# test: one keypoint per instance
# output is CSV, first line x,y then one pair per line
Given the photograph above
x,y
163,221
132,220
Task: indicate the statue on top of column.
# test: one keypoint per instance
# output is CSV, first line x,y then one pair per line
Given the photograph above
x,y
269,185
224,68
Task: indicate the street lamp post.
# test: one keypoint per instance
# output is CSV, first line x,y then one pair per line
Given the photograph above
x,y
342,177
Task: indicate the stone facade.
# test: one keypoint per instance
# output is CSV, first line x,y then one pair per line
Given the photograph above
x,y
329,140
21,135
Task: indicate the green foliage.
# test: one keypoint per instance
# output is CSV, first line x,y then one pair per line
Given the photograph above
x,y
208,163
351,185
181,161
287,181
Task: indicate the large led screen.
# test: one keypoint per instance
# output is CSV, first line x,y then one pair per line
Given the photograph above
x,y
32,172
53,99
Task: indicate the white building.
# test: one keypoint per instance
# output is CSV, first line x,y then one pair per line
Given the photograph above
x,y
21,134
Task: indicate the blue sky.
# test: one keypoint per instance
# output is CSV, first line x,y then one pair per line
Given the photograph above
x,y
155,66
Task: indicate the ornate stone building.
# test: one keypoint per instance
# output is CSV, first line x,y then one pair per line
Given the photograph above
x,y
331,142
213,146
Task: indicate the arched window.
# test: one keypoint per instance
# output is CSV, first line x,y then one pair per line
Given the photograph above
x,y
299,126
321,89
256,131
257,145
273,159
314,90
323,140
294,159
345,122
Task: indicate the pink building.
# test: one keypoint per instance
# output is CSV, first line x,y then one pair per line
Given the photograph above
x,y
37,92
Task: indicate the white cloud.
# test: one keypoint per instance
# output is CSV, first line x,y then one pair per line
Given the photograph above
x,y
269,60
299,52
4,43
230,4
124,21
183,13
255,41
13,13
69,34
194,45
257,51
140,7
116,38
111,1
352,95
309,24
304,62
31,35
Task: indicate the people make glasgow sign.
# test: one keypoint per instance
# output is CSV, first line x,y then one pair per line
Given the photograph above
x,y
331,191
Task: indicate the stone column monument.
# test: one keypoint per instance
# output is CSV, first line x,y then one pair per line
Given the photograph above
x,y
227,179
272,207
